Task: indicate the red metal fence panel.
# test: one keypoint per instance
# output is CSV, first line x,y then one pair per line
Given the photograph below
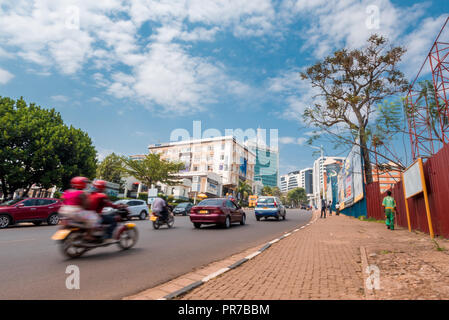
x,y
374,201
436,172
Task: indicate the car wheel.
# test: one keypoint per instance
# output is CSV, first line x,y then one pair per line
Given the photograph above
x,y
243,220
37,223
197,225
227,224
4,221
257,218
143,215
53,219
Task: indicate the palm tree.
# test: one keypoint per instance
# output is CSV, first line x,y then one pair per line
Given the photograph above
x,y
244,189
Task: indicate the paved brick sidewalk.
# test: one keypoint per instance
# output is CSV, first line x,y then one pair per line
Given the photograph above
x,y
323,261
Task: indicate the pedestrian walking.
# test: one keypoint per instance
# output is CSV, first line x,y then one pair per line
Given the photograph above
x,y
337,208
389,205
329,206
323,208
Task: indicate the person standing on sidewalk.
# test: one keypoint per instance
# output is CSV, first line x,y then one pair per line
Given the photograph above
x,y
389,205
323,208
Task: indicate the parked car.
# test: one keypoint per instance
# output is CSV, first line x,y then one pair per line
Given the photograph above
x,y
35,210
220,211
137,208
270,207
183,208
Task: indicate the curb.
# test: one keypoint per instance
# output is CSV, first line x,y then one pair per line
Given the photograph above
x,y
369,293
235,265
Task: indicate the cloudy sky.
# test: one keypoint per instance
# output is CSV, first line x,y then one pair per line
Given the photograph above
x,y
130,72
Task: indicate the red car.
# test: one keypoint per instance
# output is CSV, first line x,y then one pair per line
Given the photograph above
x,y
220,211
36,210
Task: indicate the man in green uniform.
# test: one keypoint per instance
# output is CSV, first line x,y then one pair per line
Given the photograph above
x,y
390,207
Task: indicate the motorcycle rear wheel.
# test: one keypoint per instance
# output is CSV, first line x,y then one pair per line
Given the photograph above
x,y
69,248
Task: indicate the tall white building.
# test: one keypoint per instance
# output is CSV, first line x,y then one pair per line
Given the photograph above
x,y
290,181
319,173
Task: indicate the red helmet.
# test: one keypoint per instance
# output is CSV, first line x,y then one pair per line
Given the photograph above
x,y
100,185
79,182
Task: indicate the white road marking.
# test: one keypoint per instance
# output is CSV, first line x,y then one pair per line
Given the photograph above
x,y
252,255
215,274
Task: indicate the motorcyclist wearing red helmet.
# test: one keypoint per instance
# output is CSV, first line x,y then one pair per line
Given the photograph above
x,y
75,200
76,205
98,200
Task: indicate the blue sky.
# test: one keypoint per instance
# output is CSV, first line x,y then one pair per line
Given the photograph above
x,y
129,73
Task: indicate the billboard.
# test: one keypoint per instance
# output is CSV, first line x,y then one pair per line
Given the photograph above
x,y
243,167
413,180
351,178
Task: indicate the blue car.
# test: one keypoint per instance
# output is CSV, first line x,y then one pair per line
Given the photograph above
x,y
267,207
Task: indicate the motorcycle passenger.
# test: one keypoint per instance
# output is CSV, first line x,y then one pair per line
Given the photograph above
x,y
159,207
97,202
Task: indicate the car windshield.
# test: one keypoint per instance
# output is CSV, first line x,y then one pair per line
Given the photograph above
x,y
182,205
120,202
265,200
211,202
10,202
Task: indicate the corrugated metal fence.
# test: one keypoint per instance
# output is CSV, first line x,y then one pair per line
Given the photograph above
x,y
436,172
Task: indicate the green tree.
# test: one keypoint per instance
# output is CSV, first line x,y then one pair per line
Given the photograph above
x,y
267,191
297,196
351,83
36,147
244,190
152,169
110,169
276,191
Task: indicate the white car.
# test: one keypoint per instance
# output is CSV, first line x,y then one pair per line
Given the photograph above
x,y
137,208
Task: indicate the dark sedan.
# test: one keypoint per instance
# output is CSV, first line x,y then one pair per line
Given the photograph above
x,y
219,211
183,208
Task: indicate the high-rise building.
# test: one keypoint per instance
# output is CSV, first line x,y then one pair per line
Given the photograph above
x,y
266,168
307,180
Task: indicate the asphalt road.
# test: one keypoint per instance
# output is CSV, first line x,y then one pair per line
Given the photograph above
x,y
32,266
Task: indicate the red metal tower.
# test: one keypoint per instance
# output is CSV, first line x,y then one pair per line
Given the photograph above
x,y
428,105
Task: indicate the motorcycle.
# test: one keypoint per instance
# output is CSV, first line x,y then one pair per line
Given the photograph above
x,y
72,235
159,221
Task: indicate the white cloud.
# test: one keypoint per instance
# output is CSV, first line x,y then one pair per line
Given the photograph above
x,y
60,98
292,140
5,76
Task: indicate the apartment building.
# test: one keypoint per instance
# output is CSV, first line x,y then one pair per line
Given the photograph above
x,y
290,181
388,177
224,156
